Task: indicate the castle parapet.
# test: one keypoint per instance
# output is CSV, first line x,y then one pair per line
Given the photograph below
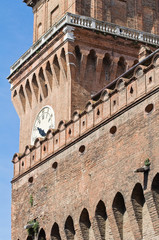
x,y
135,85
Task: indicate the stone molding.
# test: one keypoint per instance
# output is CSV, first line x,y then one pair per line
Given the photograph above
x,y
87,23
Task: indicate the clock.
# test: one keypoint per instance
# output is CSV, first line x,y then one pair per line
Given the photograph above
x,y
43,122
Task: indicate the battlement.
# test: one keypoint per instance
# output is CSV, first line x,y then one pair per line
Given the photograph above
x,y
134,86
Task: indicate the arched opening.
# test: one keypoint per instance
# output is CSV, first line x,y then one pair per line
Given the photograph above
x,y
63,60
121,67
90,75
28,92
42,235
22,97
56,68
49,74
69,229
55,234
155,191
78,62
138,201
43,83
101,217
35,86
119,211
85,224
15,93
106,70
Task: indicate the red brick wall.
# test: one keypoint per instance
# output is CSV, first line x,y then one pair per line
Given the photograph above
x,y
104,171
136,14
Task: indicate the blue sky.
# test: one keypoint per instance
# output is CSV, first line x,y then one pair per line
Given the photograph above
x,y
16,27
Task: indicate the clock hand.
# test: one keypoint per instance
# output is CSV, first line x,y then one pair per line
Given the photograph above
x,y
42,132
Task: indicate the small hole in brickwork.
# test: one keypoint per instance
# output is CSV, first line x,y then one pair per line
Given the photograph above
x,y
82,149
131,90
30,180
149,108
22,164
98,112
56,141
54,165
69,132
114,102
44,148
83,123
150,79
33,157
113,130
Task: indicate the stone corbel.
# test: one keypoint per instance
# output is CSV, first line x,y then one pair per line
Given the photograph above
x,y
69,33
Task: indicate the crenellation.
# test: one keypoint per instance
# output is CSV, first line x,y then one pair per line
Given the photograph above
x,y
111,102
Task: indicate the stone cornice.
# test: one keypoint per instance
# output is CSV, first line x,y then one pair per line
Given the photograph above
x,y
90,24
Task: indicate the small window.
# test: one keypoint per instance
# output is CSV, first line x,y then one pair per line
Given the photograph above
x,y
53,15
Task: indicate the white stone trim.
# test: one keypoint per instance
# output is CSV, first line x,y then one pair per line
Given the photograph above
x,y
88,23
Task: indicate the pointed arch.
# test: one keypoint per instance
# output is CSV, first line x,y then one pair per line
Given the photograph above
x,y
28,92
138,200
101,217
55,234
42,235
22,97
49,74
155,191
57,68
63,60
119,211
69,228
85,224
106,69
35,86
15,93
121,67
43,83
90,75
78,62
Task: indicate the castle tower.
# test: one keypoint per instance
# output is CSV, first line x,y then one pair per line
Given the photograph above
x,y
78,81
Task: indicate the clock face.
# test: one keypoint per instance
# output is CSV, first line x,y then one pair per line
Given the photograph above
x,y
43,122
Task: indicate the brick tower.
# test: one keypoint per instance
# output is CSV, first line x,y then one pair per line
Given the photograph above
x,y
87,96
